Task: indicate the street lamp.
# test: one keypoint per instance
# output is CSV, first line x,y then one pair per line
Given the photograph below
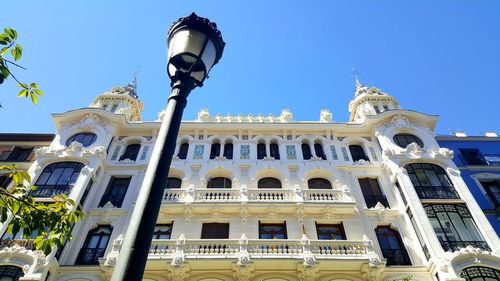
x,y
194,47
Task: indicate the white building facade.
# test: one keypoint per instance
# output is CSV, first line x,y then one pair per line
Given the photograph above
x,y
255,198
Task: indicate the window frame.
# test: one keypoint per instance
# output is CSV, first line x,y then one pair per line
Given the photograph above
x,y
131,152
97,251
372,192
320,182
46,176
420,173
401,138
392,254
108,194
261,151
226,184
274,150
207,233
466,274
228,150
215,149
319,151
360,154
183,150
12,271
173,179
306,151
446,241
83,142
340,230
273,233
262,182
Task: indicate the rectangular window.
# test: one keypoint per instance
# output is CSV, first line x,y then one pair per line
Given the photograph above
x,y
492,189
115,193
20,154
330,232
272,230
372,192
215,231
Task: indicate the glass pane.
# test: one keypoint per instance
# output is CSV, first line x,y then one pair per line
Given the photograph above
x,y
55,176
433,178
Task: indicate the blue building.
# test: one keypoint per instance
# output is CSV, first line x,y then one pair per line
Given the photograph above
x,y
478,158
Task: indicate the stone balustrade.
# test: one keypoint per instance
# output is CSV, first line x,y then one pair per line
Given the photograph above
x,y
256,195
258,248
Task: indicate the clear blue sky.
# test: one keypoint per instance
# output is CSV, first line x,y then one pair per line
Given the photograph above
x,y
438,57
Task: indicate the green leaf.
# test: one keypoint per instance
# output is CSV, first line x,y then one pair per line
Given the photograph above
x,y
22,85
22,94
4,51
34,98
17,52
11,33
33,85
4,72
40,93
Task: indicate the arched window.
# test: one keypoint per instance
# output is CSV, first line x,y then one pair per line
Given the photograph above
x,y
219,182
10,273
358,153
480,273
269,183
95,245
306,151
431,181
392,247
274,151
215,150
454,226
261,150
318,149
131,152
57,178
174,183
403,140
228,150
183,151
319,183
85,139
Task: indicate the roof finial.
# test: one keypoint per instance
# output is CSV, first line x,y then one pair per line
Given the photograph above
x,y
356,77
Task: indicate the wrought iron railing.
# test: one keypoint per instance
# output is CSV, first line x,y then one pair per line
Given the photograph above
x,y
90,256
436,192
51,190
453,246
396,256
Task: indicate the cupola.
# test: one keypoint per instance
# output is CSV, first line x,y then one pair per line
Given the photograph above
x,y
369,101
121,100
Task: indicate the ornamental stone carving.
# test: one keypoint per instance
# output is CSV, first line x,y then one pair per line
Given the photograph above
x,y
178,273
413,151
442,153
16,251
243,273
325,116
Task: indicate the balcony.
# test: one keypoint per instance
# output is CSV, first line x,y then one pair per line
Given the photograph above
x,y
256,195
436,192
47,191
257,248
453,246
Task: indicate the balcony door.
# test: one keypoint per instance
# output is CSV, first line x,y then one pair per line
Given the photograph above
x,y
215,230
95,245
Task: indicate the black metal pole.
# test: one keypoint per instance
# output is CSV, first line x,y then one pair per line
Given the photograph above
x,y
134,252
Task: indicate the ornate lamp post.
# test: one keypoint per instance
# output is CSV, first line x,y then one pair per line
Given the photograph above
x,y
194,47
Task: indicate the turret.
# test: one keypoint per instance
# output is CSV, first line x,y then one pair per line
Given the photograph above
x,y
369,101
121,100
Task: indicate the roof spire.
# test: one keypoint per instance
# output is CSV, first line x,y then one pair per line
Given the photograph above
x,y
356,77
